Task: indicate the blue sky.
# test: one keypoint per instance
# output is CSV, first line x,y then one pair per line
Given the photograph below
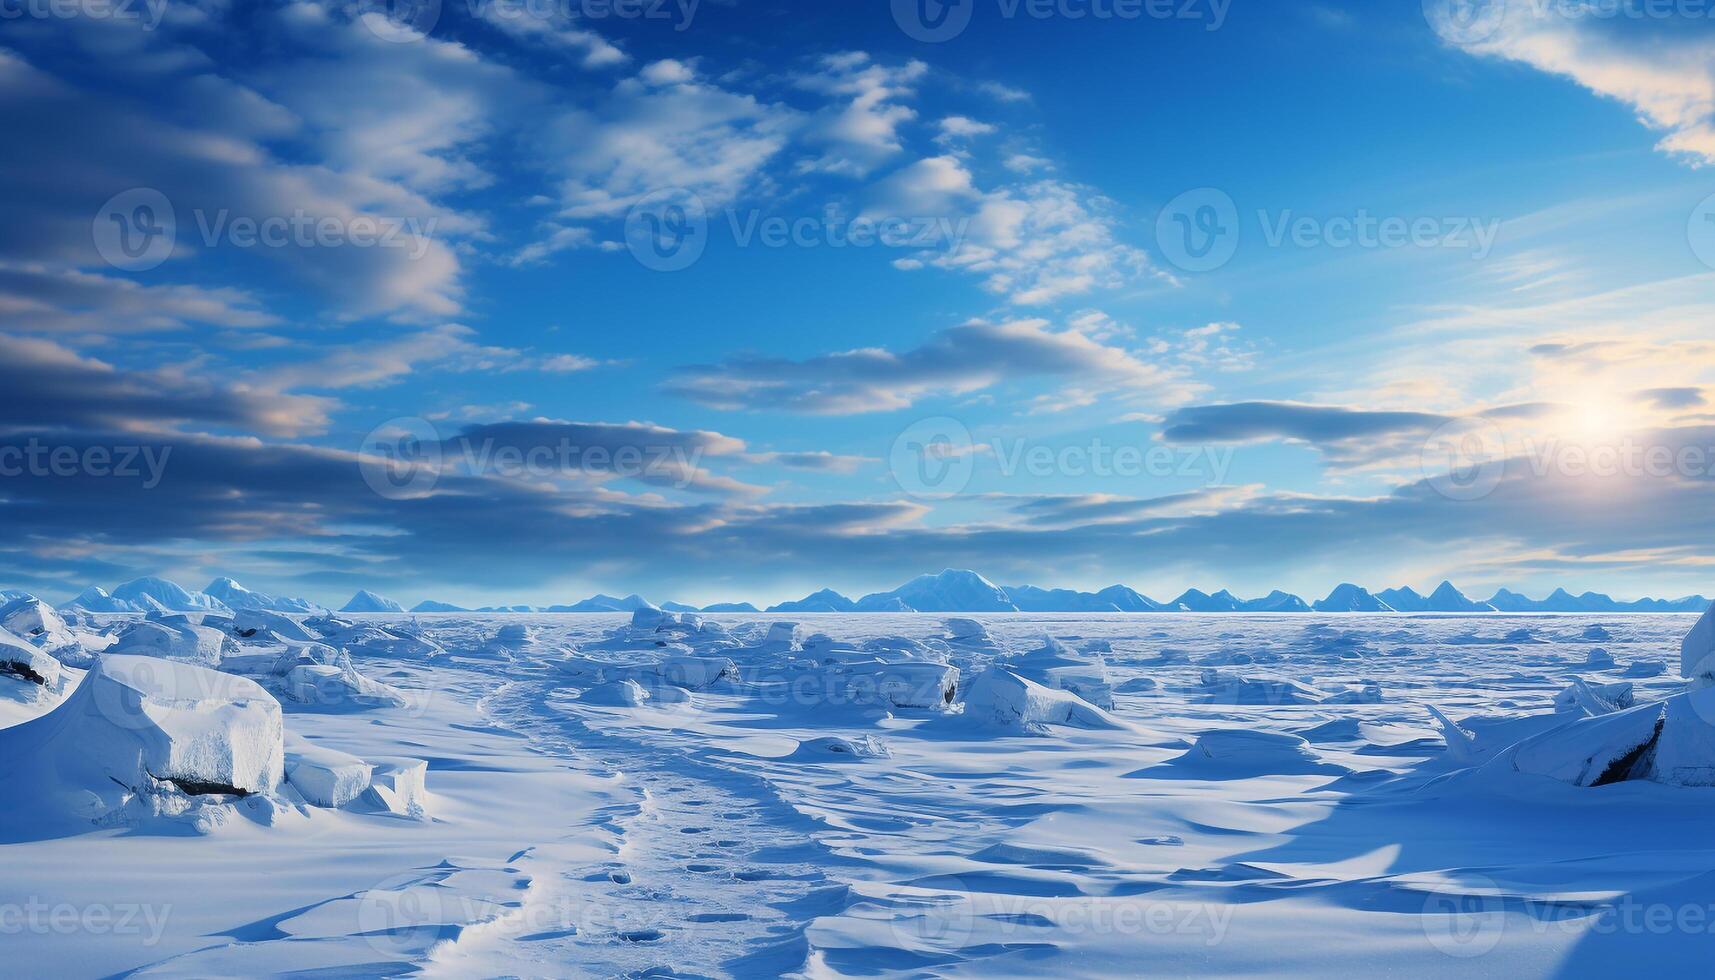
x,y
518,301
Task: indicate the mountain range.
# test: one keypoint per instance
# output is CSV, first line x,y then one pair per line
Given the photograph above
x,y
950,591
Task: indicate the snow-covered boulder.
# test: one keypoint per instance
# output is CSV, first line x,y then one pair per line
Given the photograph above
x,y
1641,669
173,640
24,662
998,696
139,728
324,776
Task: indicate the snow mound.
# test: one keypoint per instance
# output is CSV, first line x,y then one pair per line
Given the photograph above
x,y
1224,688
173,639
998,696
332,685
1238,753
834,748
141,734
696,673
618,694
252,623
1598,659
1640,669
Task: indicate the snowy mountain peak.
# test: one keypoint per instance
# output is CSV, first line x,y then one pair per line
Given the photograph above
x,y
149,591
952,590
1351,598
369,602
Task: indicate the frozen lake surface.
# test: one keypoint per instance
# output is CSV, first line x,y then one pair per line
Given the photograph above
x,y
1208,795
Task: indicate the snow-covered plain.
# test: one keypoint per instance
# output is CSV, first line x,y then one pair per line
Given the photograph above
x,y
1175,794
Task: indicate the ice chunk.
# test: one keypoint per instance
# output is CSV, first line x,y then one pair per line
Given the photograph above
x,y
1597,699
1697,651
999,696
399,787
1056,665
785,633
324,776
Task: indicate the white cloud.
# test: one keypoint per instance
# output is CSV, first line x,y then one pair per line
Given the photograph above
x,y
1664,68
